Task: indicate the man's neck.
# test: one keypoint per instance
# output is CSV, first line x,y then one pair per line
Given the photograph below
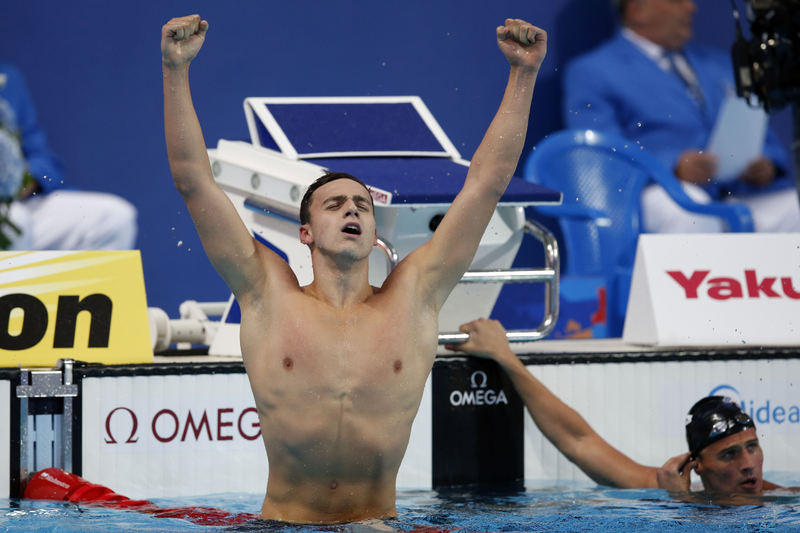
x,y
340,285
652,50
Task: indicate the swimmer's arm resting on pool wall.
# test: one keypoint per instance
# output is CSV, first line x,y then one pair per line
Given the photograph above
x,y
446,256
561,424
227,242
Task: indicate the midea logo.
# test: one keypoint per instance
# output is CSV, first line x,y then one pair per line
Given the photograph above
x,y
479,394
762,412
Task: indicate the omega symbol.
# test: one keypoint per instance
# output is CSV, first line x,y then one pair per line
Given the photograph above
x,y
135,425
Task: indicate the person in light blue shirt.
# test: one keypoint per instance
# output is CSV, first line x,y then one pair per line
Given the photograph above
x,y
46,215
651,86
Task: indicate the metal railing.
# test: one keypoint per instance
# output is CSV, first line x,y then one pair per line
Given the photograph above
x,y
549,275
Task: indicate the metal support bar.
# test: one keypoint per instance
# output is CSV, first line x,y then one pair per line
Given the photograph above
x,y
548,275
46,412
391,254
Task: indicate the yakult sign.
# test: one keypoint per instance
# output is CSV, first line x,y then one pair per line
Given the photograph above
x,y
708,290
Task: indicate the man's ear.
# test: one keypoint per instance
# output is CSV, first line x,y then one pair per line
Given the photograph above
x,y
375,239
698,466
305,234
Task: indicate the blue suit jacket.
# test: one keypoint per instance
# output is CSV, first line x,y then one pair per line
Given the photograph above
x,y
616,88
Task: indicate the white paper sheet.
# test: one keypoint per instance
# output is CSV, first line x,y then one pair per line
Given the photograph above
x,y
737,138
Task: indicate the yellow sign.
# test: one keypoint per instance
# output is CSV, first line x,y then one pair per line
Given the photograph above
x,y
88,306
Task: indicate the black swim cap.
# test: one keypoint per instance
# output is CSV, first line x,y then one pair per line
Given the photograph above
x,y
714,418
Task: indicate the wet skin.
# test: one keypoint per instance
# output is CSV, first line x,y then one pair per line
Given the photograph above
x,y
337,386
732,465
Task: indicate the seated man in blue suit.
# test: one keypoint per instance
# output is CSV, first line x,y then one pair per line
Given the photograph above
x,y
649,85
43,213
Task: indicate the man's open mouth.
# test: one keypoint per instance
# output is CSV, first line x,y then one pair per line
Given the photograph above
x,y
352,229
749,483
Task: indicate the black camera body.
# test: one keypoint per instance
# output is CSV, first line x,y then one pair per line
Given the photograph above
x,y
768,65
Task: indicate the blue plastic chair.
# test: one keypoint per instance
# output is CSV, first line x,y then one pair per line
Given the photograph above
x,y
601,177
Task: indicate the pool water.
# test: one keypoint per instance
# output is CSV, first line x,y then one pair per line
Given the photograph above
x,y
567,507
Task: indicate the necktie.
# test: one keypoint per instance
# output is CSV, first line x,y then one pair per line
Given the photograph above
x,y
688,78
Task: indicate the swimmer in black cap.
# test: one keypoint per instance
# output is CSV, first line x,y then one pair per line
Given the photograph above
x,y
724,448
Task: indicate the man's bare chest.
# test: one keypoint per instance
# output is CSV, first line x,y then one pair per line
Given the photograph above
x,y
366,347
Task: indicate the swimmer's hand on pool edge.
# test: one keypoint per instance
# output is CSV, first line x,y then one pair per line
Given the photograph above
x,y
487,340
181,40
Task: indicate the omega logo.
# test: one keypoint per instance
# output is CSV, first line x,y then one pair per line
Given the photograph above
x,y
478,374
168,425
478,393
134,426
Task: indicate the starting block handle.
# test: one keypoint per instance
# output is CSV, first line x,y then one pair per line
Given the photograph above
x,y
548,275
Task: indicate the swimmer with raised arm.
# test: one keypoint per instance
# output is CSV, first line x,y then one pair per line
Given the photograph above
x,y
724,448
338,367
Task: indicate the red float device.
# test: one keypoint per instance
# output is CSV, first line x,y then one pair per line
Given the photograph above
x,y
59,485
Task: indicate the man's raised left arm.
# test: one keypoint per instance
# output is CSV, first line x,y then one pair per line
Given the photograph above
x,y
445,258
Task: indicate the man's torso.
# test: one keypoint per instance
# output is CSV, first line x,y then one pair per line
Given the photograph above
x,y
336,391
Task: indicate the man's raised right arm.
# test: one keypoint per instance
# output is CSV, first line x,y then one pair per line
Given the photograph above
x,y
227,241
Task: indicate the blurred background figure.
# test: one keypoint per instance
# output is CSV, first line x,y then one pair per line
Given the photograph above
x,y
651,86
36,211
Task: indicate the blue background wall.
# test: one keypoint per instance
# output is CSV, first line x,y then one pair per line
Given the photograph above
x,y
94,68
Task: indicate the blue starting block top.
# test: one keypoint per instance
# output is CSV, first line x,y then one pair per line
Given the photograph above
x,y
303,128
428,180
393,144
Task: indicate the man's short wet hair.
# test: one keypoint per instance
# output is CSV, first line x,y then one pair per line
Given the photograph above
x,y
305,204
